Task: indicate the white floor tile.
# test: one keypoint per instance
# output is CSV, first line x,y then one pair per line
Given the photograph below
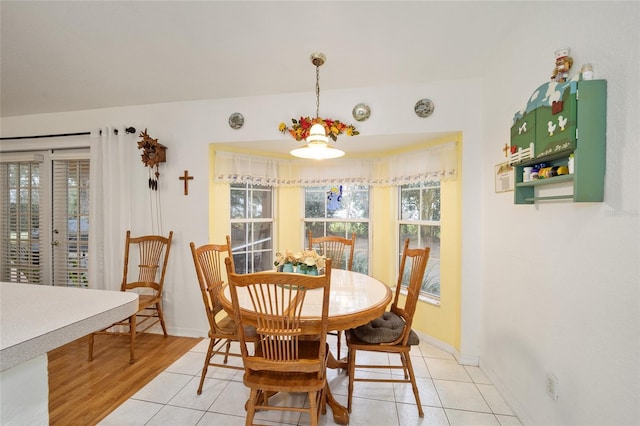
x,y
217,419
190,363
466,418
447,369
232,400
426,389
495,401
189,398
433,416
170,415
370,412
162,388
431,351
132,412
508,420
461,396
477,375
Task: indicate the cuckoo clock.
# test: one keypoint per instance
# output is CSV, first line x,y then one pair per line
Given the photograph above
x,y
153,153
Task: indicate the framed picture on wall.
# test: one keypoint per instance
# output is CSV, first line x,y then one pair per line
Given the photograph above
x,y
504,175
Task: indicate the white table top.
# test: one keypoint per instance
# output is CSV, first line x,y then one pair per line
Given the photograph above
x,y
35,319
355,299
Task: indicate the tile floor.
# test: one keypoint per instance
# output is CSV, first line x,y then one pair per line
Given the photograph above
x,y
451,394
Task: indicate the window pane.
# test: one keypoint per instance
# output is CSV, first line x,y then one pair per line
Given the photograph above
x,y
430,237
350,205
238,202
409,204
430,204
420,210
314,204
261,202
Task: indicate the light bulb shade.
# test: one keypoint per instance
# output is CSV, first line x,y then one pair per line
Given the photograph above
x,y
317,133
317,151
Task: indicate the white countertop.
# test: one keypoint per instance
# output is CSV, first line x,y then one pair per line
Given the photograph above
x,y
35,319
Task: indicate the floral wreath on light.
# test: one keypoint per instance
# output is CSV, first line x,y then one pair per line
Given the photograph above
x,y
299,129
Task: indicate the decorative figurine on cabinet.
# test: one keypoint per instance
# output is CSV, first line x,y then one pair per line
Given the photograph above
x,y
563,65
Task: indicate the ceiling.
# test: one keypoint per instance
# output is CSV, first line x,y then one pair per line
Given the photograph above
x,y
77,55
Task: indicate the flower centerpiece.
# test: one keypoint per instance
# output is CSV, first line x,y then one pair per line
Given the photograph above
x,y
285,262
299,129
312,262
305,262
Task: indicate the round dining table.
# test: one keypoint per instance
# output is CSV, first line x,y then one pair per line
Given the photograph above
x,y
355,299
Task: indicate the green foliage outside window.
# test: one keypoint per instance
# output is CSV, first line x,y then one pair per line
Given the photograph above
x,y
419,221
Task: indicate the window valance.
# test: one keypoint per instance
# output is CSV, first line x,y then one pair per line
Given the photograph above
x,y
428,164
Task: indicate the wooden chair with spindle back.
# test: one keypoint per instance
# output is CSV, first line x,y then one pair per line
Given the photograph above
x,y
334,247
150,255
208,260
291,351
392,332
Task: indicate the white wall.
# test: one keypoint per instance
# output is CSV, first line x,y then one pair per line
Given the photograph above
x,y
560,283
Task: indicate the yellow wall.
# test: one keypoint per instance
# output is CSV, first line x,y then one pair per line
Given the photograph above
x,y
439,321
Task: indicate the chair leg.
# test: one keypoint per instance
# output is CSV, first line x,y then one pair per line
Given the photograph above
x,y
339,337
91,347
403,359
351,367
251,407
212,342
313,408
412,376
132,333
161,317
226,353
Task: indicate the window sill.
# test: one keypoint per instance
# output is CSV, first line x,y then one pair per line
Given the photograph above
x,y
423,297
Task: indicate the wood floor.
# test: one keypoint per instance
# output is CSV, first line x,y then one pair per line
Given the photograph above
x,y
83,392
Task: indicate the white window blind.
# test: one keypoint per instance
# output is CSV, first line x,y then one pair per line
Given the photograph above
x,y
70,239
20,211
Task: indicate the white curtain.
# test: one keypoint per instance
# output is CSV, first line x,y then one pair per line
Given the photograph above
x,y
111,208
428,164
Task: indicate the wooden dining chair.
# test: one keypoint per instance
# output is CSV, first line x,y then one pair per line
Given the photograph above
x,y
291,351
147,257
392,332
334,247
209,263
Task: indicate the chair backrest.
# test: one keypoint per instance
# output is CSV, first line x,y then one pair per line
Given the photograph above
x,y
285,308
418,259
333,247
151,253
208,260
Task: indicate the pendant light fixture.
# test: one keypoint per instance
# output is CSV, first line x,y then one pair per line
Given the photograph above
x,y
317,147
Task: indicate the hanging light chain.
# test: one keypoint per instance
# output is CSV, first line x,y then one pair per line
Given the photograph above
x,y
317,91
318,59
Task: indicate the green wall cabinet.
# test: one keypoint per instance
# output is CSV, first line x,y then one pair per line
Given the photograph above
x,y
561,119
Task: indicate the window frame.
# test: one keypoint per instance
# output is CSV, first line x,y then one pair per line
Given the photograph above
x,y
249,223
424,295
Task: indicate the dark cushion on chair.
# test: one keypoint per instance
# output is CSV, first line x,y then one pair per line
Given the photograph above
x,y
384,329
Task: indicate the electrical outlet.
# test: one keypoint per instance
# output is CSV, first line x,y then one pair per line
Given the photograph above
x,y
552,386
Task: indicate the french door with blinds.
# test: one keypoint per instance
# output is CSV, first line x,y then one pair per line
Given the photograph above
x,y
45,217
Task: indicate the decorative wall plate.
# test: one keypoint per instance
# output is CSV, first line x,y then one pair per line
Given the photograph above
x,y
236,120
361,112
424,108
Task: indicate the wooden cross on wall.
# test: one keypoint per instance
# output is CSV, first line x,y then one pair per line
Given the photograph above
x,y
186,178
